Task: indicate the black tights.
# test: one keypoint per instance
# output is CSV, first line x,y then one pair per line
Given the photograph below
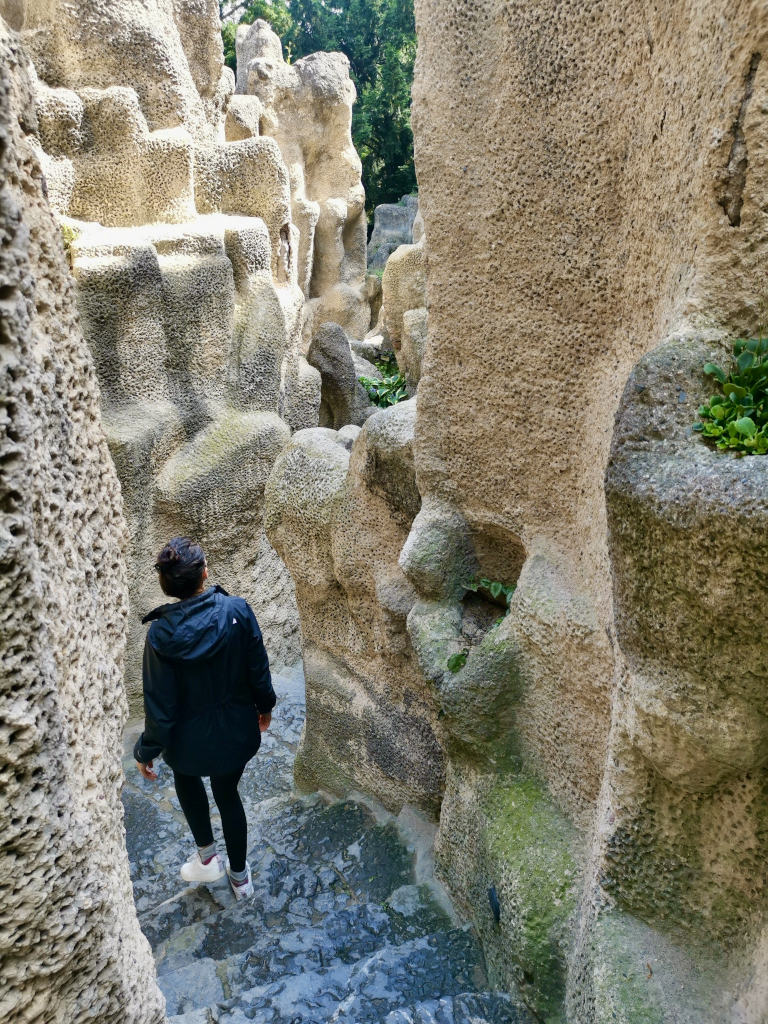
x,y
194,802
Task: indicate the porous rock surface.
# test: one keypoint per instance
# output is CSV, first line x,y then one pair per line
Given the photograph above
x,y
339,519
307,108
603,745
403,315
392,226
70,945
343,399
195,245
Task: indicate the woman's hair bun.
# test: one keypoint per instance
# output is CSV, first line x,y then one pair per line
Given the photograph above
x,y
167,555
180,563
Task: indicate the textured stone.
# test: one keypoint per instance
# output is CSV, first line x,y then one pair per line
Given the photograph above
x,y
307,109
625,678
403,314
339,519
71,948
687,528
392,226
194,220
343,399
594,247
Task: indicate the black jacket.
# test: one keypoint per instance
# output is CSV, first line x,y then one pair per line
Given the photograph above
x,y
206,679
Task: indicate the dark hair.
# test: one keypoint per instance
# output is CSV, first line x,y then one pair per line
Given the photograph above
x,y
180,566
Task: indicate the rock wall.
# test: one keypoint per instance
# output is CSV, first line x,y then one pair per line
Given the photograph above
x,y
603,743
71,949
196,239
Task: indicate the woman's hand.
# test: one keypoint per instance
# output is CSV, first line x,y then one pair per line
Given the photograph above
x,y
146,771
264,721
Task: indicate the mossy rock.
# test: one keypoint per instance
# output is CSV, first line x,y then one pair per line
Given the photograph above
x,y
533,854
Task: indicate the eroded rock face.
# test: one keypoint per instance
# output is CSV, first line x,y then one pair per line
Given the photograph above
x,y
339,519
403,315
343,398
307,108
617,203
186,239
71,948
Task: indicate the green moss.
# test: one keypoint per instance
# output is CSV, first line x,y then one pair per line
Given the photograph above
x,y
222,446
532,845
69,234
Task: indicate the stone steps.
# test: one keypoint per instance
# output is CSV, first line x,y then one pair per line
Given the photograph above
x,y
342,927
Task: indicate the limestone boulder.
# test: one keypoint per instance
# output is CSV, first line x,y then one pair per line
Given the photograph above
x,y
403,315
307,109
374,296
392,227
339,517
193,339
343,398
686,529
169,53
300,398
178,208
71,947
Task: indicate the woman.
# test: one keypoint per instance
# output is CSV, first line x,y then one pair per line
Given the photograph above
x,y
207,697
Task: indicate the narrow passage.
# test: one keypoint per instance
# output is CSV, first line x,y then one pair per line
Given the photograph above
x,y
338,930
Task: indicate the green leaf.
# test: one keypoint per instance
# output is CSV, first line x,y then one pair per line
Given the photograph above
x,y
745,360
714,371
458,661
746,426
496,589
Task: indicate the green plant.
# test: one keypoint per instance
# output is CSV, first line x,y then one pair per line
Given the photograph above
x,y
385,392
458,661
495,588
737,419
387,364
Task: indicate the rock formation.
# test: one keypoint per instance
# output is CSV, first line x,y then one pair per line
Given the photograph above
x,y
307,108
392,226
197,221
603,745
403,315
71,949
343,399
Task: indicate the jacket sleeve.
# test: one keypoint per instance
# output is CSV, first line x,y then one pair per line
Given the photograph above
x,y
160,705
259,677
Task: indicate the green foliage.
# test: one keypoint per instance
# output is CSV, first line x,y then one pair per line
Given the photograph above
x,y
379,38
387,364
498,592
68,236
458,661
494,588
737,419
385,392
276,12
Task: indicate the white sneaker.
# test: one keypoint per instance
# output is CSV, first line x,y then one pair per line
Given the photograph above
x,y
242,890
194,870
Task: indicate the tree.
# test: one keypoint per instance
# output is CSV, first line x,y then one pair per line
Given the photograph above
x,y
379,39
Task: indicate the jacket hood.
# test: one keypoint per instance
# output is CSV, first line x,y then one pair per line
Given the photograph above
x,y
191,629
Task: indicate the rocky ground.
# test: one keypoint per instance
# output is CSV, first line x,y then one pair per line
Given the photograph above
x,y
346,924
